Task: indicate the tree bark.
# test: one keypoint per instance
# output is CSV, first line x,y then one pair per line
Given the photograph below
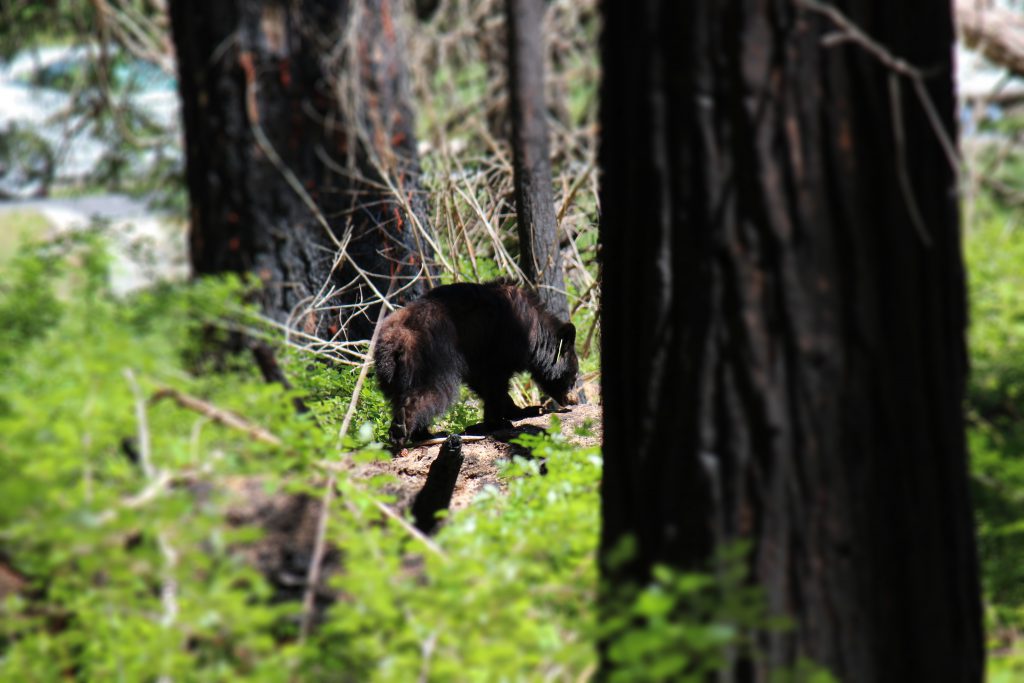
x,y
783,320
539,255
301,158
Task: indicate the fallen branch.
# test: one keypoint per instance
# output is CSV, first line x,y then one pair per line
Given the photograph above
x,y
218,415
392,514
151,492
316,561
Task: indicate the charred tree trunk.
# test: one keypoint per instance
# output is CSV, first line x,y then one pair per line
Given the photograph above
x,y
301,158
539,256
783,324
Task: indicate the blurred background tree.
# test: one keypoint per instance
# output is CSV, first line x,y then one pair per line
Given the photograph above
x,y
301,157
539,248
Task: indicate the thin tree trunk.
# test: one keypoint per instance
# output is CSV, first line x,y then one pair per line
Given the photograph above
x,y
783,324
539,255
301,158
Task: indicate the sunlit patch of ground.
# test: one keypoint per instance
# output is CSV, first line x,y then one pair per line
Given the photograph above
x,y
18,226
145,247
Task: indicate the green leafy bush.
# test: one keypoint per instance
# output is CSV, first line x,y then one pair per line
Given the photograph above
x,y
510,596
130,576
995,259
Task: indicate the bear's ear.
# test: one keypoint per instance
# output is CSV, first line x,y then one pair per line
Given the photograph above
x,y
567,334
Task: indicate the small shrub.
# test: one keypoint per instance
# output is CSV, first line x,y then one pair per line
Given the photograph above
x,y
995,254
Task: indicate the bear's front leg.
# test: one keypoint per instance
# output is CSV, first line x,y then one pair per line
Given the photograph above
x,y
412,416
517,413
498,409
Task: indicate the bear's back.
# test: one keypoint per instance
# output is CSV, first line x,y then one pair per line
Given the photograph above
x,y
491,323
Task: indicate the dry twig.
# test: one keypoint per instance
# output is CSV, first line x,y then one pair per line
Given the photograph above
x,y
169,582
849,32
145,459
218,415
320,543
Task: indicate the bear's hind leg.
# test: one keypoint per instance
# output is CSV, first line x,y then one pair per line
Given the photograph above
x,y
399,432
415,413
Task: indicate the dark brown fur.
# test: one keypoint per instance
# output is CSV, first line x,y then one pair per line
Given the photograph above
x,y
480,335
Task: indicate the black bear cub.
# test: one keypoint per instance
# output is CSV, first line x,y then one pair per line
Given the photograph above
x,y
472,333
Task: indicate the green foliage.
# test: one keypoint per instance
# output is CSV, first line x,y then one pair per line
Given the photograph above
x,y
24,23
327,391
98,541
650,641
26,159
463,414
18,226
132,576
132,570
995,252
503,602
105,90
29,307
686,626
995,258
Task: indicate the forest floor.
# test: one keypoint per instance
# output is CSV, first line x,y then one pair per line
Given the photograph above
x,y
483,459
290,521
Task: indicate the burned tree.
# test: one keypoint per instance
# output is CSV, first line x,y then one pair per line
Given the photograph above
x,y
783,323
539,255
301,157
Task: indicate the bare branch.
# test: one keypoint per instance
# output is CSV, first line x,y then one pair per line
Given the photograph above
x,y
320,543
849,32
145,459
218,415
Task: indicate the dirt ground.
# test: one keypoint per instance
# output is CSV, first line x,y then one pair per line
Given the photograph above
x,y
482,458
290,521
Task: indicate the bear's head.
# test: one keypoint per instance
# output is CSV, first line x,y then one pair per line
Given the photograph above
x,y
558,377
